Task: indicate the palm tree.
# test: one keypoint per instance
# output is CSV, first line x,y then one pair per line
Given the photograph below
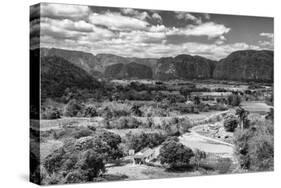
x,y
136,110
157,98
242,115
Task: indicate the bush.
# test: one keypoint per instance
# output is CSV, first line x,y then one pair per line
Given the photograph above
x,y
50,113
90,111
255,146
82,133
114,110
230,123
175,154
234,99
142,140
72,108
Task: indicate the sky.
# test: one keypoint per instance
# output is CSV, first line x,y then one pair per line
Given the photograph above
x,y
147,33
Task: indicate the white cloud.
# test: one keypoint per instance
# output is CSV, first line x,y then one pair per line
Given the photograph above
x,y
268,35
188,16
268,43
68,29
117,21
136,14
209,29
157,17
130,34
64,11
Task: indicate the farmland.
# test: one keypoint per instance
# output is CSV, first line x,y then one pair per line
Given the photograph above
x,y
193,115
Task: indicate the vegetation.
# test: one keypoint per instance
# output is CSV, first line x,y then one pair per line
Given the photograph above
x,y
234,99
175,154
83,159
143,140
230,123
255,146
50,113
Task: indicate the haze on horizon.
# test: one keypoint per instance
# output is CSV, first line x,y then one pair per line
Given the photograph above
x,y
147,33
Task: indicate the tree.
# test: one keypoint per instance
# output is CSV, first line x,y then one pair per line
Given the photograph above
x,y
158,98
83,159
196,100
136,110
270,114
234,99
243,117
198,156
255,146
185,92
230,123
91,164
72,108
175,154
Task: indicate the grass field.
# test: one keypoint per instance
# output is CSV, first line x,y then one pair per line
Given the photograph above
x,y
256,107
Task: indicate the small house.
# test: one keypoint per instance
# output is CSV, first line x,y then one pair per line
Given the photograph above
x,y
143,156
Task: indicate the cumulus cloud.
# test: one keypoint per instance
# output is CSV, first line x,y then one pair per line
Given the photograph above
x,y
133,33
209,29
157,17
135,13
116,21
188,16
268,42
268,35
61,11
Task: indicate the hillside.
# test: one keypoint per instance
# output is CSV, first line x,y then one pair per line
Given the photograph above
x,y
85,61
57,74
130,70
184,67
248,65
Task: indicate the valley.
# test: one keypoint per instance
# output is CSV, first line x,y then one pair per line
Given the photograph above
x,y
141,123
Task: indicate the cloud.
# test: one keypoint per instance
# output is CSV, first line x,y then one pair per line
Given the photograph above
x,y
157,17
209,29
116,21
135,13
268,35
188,16
267,43
73,30
61,11
133,33
207,16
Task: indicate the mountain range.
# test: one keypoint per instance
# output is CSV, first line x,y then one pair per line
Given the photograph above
x,y
246,65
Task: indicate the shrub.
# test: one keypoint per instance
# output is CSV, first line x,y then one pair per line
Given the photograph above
x,y
72,108
175,154
114,110
125,123
90,111
75,177
230,123
50,113
234,99
82,133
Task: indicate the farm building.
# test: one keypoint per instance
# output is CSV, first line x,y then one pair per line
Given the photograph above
x,y
143,156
